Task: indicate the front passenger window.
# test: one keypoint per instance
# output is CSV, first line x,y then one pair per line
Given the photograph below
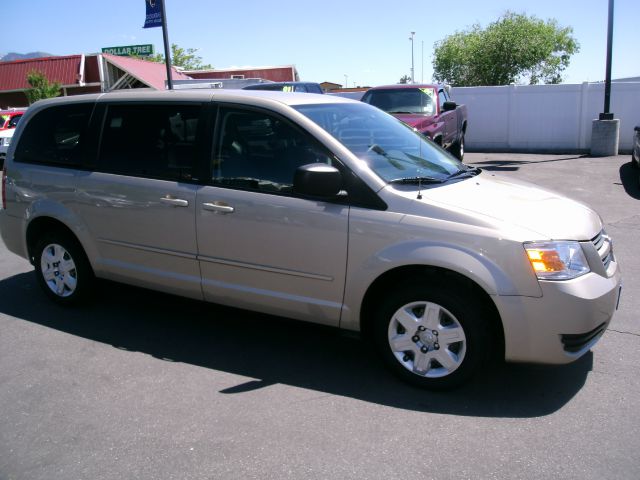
x,y
258,151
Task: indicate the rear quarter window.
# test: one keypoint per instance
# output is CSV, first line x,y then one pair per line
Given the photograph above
x,y
55,136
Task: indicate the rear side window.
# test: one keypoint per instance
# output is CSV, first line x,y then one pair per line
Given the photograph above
x,y
314,88
265,86
442,97
55,136
154,141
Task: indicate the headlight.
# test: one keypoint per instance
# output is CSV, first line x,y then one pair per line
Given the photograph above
x,y
557,260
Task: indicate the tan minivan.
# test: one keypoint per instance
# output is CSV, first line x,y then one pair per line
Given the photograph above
x,y
312,207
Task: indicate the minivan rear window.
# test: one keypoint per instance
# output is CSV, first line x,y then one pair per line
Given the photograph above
x,y
54,136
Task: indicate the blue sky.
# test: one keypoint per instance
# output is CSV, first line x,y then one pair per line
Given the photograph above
x,y
325,40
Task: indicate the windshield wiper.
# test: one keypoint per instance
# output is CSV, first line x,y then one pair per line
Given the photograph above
x,y
469,171
416,180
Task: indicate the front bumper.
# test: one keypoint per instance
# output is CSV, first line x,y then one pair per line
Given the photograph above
x,y
563,324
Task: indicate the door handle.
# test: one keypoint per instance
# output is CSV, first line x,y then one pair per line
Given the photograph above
x,y
176,202
218,207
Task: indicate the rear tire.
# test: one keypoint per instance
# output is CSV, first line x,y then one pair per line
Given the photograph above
x,y
457,149
62,268
432,336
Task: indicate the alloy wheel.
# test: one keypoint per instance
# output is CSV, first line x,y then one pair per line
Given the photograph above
x,y
59,270
427,339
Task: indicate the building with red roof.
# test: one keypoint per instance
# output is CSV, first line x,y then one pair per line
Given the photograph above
x,y
75,73
94,73
79,74
283,73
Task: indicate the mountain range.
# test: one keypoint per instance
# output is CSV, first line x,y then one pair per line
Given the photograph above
x,y
11,56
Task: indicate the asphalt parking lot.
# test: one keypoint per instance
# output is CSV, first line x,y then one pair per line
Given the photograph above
x,y
148,386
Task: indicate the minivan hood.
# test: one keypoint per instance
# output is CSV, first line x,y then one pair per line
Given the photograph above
x,y
520,203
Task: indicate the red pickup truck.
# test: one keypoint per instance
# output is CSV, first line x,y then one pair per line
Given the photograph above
x,y
427,108
9,118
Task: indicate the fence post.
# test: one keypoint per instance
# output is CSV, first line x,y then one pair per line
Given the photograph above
x,y
582,117
510,115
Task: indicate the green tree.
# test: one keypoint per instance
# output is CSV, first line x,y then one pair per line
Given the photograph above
x,y
40,87
514,49
405,79
182,57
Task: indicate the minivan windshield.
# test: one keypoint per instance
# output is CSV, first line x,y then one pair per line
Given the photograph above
x,y
394,151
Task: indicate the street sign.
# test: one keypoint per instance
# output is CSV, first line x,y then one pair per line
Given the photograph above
x,y
129,50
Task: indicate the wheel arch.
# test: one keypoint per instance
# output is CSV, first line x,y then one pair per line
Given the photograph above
x,y
441,276
40,226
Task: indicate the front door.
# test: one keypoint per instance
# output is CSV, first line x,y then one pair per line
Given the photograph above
x,y
260,246
449,118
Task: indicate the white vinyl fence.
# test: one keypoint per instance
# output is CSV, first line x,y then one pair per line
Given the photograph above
x,y
545,118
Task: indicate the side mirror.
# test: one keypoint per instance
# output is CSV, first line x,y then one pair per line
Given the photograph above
x,y
317,180
448,106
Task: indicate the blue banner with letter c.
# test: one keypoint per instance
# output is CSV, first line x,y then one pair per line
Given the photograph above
x,y
154,14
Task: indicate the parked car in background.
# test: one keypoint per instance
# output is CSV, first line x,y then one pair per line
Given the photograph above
x,y
314,207
427,108
306,87
10,118
5,141
635,154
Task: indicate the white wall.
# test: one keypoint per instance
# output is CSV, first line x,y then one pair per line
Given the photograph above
x,y
545,117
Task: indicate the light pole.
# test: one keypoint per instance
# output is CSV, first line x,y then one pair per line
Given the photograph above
x,y
422,62
346,83
411,38
607,115
605,130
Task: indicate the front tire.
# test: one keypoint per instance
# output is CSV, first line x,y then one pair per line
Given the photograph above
x,y
62,268
433,336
